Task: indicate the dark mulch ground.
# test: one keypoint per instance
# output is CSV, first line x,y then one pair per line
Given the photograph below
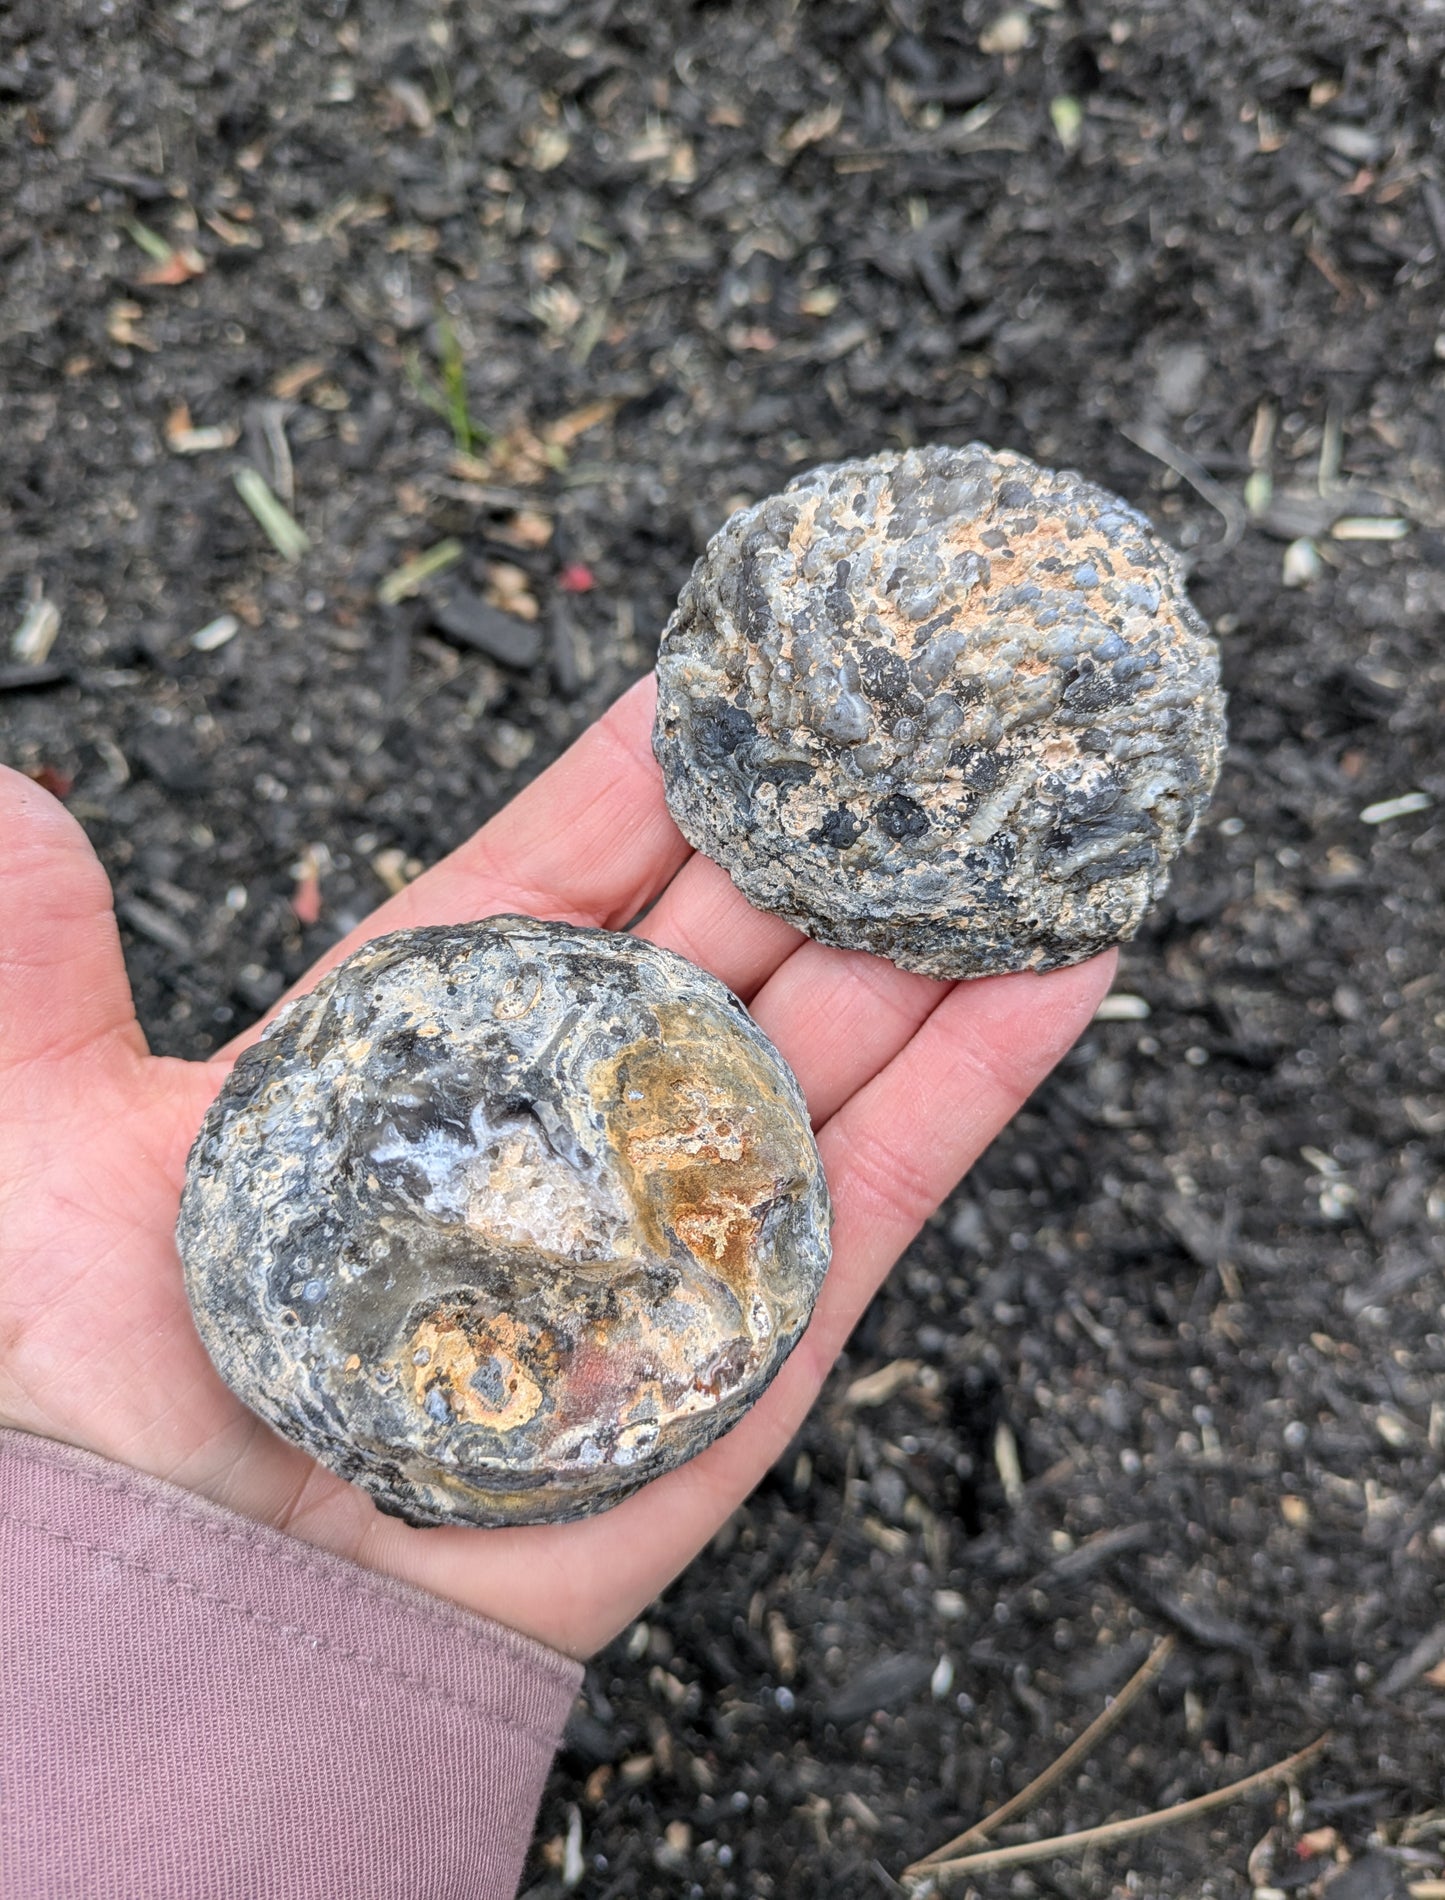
x,y
1198,1287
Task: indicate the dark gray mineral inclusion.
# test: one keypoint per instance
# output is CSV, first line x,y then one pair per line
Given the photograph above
x,y
947,706
504,1219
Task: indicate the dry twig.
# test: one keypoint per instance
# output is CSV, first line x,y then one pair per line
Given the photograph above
x,y
947,1871
1077,1751
1225,504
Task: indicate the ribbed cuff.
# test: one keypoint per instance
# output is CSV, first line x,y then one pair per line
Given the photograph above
x,y
197,1706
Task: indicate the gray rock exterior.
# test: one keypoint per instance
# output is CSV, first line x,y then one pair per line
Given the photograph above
x,y
504,1219
946,705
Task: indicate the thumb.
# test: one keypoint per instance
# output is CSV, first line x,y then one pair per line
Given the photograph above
x,y
63,985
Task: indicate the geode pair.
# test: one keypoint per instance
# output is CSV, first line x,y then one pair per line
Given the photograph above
x,y
504,1219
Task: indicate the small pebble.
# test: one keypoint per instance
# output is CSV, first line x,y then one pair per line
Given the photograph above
x,y
1302,564
469,620
1011,32
215,633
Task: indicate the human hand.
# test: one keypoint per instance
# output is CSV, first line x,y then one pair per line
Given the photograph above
x,y
907,1080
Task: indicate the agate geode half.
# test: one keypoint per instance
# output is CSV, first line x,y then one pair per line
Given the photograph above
x,y
946,705
503,1219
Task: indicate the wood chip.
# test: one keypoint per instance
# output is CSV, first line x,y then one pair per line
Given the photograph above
x,y
812,128
290,383
1120,1007
408,579
281,529
215,633
1400,807
876,1388
1006,1458
566,429
1011,32
1370,528
32,640
220,435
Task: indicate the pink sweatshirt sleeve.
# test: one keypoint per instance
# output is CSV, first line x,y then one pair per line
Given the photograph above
x,y
196,1706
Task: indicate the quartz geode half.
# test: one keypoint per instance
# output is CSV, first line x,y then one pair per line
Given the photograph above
x,y
503,1219
945,705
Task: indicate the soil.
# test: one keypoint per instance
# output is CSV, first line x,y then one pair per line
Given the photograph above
x,y
566,283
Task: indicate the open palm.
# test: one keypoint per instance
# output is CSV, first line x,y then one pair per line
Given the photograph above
x,y
907,1080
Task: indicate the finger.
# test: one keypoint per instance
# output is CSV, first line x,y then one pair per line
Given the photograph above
x,y
63,985
589,841
839,1016
901,1144
705,917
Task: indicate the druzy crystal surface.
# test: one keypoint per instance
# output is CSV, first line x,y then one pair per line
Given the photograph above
x,y
503,1219
945,705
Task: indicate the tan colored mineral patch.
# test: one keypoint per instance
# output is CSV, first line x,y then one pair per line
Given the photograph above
x,y
480,1365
